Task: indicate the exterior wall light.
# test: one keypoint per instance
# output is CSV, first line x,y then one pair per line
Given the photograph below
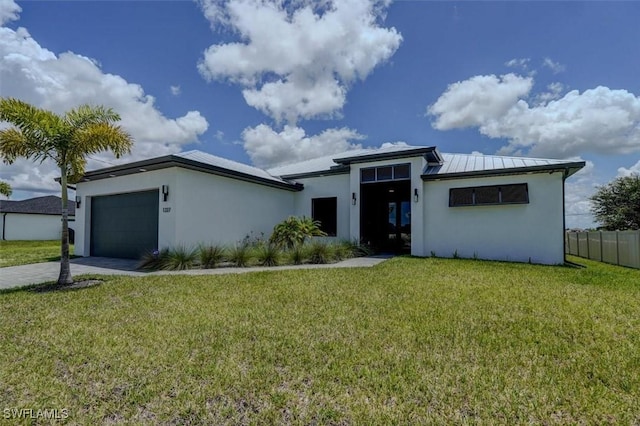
x,y
354,200
415,195
165,192
78,201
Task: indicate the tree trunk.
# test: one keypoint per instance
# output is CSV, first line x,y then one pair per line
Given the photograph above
x,y
65,270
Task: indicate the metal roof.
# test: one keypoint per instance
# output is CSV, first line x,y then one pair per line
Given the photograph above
x,y
199,161
49,205
468,165
223,163
338,163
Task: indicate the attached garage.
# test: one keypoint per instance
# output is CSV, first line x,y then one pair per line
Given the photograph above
x,y
124,225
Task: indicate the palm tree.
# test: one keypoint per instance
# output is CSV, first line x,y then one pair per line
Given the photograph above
x,y
38,134
5,189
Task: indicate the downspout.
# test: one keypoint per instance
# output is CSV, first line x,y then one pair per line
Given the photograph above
x,y
564,218
4,219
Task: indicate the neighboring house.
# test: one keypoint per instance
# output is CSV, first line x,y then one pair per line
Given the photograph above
x,y
34,219
397,199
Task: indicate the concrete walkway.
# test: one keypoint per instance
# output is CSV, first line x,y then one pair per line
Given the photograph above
x,y
36,273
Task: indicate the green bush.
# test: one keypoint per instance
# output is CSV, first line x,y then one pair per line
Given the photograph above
x,y
211,256
179,259
240,255
298,254
269,255
295,231
320,252
153,260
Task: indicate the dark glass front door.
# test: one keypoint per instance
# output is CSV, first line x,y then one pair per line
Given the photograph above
x,y
385,216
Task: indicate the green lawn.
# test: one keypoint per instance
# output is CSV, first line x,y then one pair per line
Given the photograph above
x,y
411,341
23,252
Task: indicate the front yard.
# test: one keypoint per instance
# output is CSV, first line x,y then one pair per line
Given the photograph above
x,y
411,341
14,253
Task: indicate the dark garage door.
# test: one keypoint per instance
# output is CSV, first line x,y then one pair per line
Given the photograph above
x,y
124,225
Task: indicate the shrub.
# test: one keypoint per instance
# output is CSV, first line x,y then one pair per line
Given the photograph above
x,y
269,255
179,259
211,256
298,254
344,250
240,255
320,252
294,231
153,260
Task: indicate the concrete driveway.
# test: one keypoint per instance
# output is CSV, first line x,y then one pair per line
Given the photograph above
x,y
36,273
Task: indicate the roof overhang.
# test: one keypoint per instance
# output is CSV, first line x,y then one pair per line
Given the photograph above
x,y
169,161
430,153
335,170
567,168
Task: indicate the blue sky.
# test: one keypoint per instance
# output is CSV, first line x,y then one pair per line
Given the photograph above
x,y
265,84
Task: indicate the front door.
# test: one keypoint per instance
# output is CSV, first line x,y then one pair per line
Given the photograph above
x,y
399,230
385,216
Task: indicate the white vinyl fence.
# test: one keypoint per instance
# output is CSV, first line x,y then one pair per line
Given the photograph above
x,y
617,247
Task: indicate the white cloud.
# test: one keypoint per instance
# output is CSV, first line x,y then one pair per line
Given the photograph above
x,y
555,67
478,100
268,148
633,170
175,90
554,91
522,63
9,11
36,75
599,120
297,59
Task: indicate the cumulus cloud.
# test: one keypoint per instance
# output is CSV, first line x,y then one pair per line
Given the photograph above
x,y
269,148
633,170
600,120
296,60
522,63
175,90
555,67
9,11
36,75
478,100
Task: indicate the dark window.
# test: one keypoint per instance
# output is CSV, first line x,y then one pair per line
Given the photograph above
x,y
325,210
485,195
461,197
401,171
515,193
385,173
368,175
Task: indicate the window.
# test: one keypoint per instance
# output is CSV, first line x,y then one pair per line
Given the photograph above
x,y
368,175
489,195
385,173
325,210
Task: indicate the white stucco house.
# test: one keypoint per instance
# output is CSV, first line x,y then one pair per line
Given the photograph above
x,y
34,219
397,199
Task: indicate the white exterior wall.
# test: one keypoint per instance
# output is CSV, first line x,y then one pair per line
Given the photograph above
x,y
326,186
417,231
22,226
137,182
216,209
513,232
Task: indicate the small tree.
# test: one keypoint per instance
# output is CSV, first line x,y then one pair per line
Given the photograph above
x,y
616,205
294,231
67,139
5,189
